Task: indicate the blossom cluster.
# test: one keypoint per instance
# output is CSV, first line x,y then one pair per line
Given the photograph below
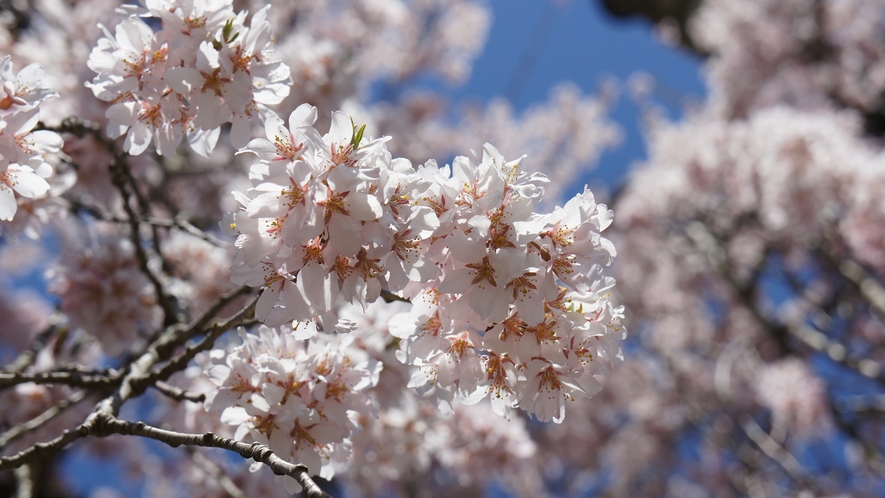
x,y
104,292
506,301
204,68
412,442
520,308
805,53
23,163
570,129
301,400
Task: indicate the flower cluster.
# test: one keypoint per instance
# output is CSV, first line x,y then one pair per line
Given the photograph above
x,y
506,301
200,270
795,395
301,401
103,291
808,54
23,167
204,68
327,217
468,451
519,309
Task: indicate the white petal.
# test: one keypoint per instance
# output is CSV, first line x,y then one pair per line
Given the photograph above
x,y
138,139
304,115
203,142
27,183
8,205
341,131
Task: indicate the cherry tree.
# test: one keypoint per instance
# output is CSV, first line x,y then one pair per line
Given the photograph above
x,y
273,280
237,256
750,244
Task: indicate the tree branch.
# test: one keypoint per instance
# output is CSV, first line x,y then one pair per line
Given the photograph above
x,y
869,288
712,246
217,473
35,423
118,177
24,482
254,451
179,223
773,449
57,321
43,450
177,393
179,362
125,183
75,379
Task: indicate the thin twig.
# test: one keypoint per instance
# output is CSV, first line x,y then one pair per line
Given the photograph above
x,y
177,335
188,227
179,223
144,206
170,313
57,322
35,423
712,247
125,183
213,310
217,473
837,352
254,451
180,361
773,449
177,393
141,376
869,288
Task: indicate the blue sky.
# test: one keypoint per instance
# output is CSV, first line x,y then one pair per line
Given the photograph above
x,y
547,43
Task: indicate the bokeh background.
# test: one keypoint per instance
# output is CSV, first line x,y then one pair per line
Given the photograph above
x,y
739,144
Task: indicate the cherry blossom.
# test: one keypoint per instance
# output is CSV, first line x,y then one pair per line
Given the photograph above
x,y
300,400
92,283
23,151
204,68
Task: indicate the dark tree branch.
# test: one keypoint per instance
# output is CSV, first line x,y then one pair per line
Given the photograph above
x,y
390,297
170,312
213,310
43,450
138,377
141,376
254,451
180,361
74,379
